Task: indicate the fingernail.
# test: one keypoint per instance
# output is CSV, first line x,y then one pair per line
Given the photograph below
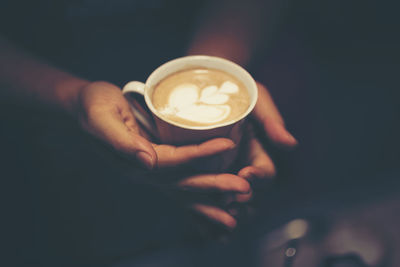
x,y
243,198
245,192
231,145
145,158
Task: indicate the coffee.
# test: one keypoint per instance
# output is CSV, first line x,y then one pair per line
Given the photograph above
x,y
200,97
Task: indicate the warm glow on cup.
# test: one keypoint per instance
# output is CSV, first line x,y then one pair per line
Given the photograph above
x,y
171,132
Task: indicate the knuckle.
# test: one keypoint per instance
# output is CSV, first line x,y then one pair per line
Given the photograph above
x,y
192,152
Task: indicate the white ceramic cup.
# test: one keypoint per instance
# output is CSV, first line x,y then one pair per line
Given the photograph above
x,y
170,132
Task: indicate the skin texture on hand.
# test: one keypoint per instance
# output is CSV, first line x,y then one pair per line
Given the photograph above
x,y
267,114
105,113
258,165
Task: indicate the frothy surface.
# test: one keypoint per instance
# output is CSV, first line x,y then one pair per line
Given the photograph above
x,y
198,97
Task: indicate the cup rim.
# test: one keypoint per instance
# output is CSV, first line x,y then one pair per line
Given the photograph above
x,y
160,69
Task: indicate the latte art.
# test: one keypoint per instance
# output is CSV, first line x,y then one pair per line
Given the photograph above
x,y
200,97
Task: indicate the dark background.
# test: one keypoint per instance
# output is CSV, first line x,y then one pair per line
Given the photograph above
x,y
332,68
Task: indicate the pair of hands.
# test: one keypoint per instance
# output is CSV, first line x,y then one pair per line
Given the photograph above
x,y
105,113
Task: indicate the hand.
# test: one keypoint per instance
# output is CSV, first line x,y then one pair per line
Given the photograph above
x,y
201,193
104,112
258,163
266,113
227,207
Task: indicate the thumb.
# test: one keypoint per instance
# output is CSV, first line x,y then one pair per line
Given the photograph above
x,y
118,128
268,115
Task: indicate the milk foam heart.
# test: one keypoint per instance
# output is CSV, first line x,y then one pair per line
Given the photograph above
x,y
229,88
212,95
183,95
204,113
185,102
197,97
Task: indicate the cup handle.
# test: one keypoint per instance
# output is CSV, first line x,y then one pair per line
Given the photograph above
x,y
140,114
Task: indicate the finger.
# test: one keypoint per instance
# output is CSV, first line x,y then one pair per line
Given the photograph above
x,y
243,198
261,164
261,167
229,199
220,183
277,133
216,215
169,156
117,127
266,113
265,106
